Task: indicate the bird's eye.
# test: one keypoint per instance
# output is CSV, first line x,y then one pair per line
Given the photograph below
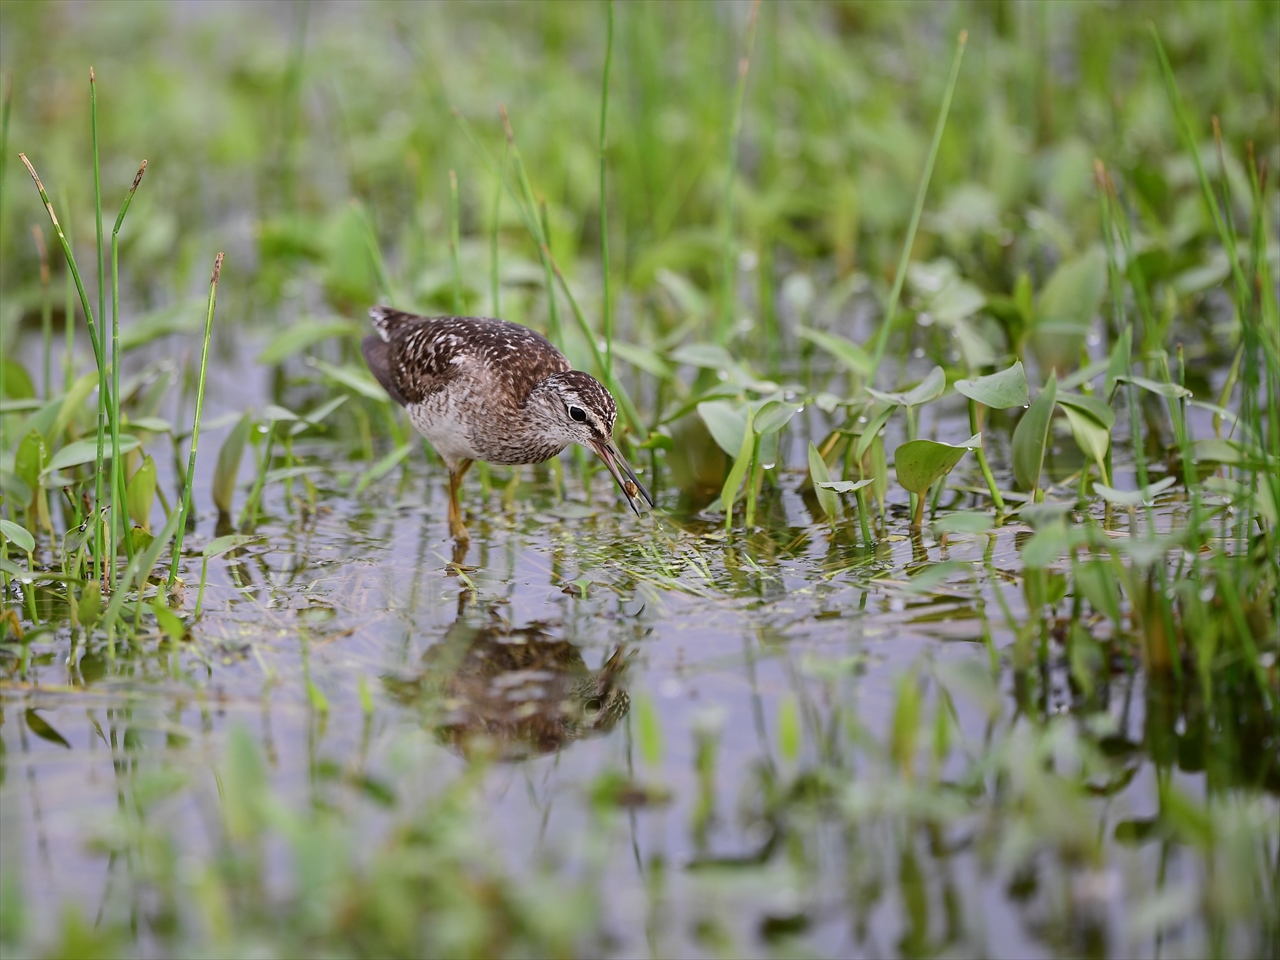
x,y
591,707
577,413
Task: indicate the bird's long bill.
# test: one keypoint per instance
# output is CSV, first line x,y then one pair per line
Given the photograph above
x,y
625,477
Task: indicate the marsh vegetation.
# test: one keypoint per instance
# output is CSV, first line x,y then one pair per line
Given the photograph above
x,y
945,336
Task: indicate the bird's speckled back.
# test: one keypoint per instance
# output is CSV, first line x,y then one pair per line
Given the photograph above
x,y
413,357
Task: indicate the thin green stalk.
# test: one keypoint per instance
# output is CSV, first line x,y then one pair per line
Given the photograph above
x,y
4,166
861,494
185,509
68,321
104,401
119,520
539,233
1189,141
975,426
629,412
494,284
607,308
454,242
46,310
727,297
99,481
249,515
882,335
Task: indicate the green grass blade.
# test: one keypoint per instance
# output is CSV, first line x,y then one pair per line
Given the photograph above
x,y
119,520
453,243
882,336
727,295
607,306
185,508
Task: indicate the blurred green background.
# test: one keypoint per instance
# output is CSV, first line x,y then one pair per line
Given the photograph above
x,y
262,122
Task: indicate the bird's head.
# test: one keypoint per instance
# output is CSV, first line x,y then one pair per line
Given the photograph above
x,y
575,407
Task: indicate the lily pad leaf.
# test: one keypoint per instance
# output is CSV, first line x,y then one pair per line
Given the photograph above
x,y
1000,391
921,463
1031,436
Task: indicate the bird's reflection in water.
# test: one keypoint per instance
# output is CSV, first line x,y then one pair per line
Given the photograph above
x,y
513,692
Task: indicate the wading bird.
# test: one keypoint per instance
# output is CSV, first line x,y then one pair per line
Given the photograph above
x,y
483,389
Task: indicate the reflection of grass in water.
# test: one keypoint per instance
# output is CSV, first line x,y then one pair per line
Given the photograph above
x,y
1098,590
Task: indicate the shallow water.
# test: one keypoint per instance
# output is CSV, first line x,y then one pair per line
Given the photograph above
x,y
701,640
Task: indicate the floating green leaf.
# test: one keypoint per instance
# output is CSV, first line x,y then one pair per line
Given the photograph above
x,y
1000,391
1031,437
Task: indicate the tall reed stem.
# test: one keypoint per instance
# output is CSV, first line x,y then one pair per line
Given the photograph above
x,y
607,306
185,509
538,229
494,279
100,544
46,311
4,166
454,241
119,522
882,336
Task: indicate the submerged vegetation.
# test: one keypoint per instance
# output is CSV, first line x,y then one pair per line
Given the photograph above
x,y
947,339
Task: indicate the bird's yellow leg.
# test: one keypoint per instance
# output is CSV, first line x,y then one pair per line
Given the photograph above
x,y
457,529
